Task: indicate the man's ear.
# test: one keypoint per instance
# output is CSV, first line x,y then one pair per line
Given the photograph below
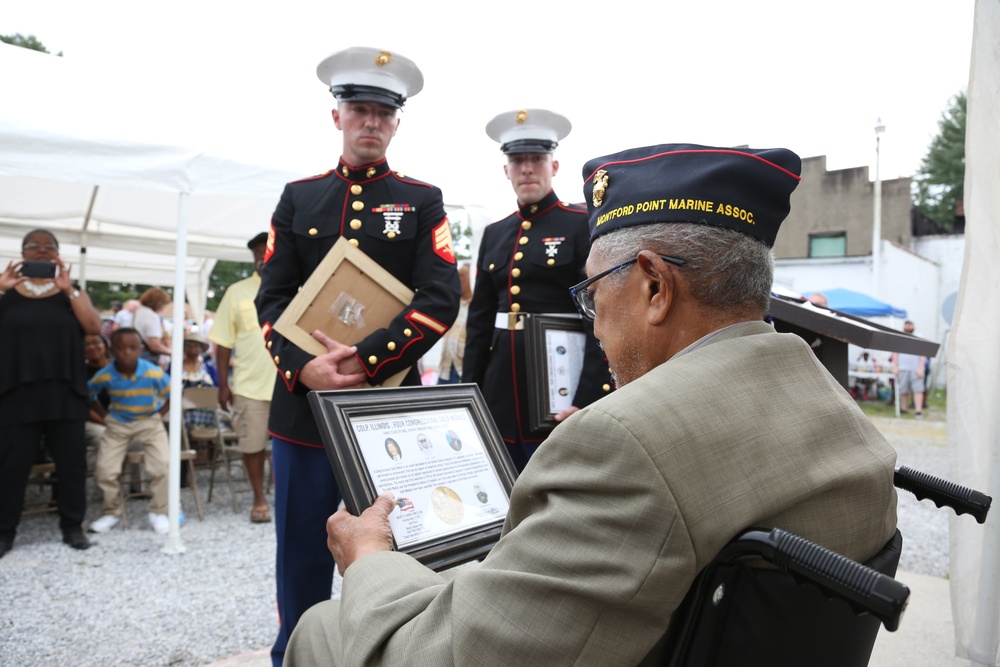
x,y
336,118
659,283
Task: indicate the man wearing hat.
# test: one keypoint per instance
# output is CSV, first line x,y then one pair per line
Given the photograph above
x,y
632,496
527,263
400,223
237,337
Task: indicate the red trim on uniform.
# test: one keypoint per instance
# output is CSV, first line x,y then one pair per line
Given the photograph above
x,y
683,152
428,321
289,384
411,181
265,329
269,249
313,178
295,442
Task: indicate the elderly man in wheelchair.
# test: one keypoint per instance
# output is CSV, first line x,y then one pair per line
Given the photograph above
x,y
718,424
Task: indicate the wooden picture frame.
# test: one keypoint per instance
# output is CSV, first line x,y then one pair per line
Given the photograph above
x,y
437,449
347,297
555,347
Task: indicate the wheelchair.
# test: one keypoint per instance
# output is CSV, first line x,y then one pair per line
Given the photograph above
x,y
810,606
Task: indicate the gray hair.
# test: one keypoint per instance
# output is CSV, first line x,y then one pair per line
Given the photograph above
x,y
725,270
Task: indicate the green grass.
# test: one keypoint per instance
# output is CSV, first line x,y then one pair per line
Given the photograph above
x,y
935,408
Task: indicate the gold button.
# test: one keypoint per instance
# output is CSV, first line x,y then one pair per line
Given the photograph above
x,y
373,360
524,239
516,272
391,235
269,344
276,359
550,261
313,231
370,172
355,189
358,205
354,242
399,174
518,256
391,346
346,172
606,387
407,333
534,208
526,225
515,307
515,289
288,375
491,266
355,224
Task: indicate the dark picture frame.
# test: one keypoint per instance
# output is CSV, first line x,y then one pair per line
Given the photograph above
x,y
554,370
437,449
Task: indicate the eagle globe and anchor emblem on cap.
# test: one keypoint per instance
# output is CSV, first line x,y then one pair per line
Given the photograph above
x,y
600,187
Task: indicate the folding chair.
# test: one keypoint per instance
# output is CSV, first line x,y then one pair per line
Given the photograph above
x,y
134,461
226,452
818,608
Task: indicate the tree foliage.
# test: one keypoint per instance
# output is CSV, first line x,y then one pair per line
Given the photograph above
x,y
25,41
938,185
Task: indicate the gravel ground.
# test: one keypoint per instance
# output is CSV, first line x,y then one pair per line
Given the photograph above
x,y
124,602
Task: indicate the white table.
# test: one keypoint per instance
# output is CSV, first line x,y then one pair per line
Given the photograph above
x,y
888,378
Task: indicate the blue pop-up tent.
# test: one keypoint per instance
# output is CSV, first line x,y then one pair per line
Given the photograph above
x,y
857,303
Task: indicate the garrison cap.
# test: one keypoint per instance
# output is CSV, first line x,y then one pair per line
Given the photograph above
x,y
366,74
743,189
528,131
260,239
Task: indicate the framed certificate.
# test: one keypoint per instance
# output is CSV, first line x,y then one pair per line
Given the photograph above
x,y
555,346
437,449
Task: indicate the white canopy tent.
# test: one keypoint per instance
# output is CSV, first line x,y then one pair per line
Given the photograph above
x,y
974,359
92,177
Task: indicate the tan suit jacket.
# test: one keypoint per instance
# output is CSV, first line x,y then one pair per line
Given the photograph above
x,y
622,506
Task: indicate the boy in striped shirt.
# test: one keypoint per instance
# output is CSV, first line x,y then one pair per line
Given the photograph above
x,y
138,391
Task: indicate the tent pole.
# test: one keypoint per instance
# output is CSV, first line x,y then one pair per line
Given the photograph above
x,y
174,544
83,239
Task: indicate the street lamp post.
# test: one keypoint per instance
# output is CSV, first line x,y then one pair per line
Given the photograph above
x,y
877,225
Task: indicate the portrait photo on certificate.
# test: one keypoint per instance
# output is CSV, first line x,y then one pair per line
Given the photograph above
x,y
436,449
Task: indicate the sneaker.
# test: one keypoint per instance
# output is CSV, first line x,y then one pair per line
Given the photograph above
x,y
919,415
160,523
104,524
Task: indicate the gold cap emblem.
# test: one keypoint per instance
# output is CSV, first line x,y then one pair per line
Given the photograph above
x,y
383,59
600,186
521,116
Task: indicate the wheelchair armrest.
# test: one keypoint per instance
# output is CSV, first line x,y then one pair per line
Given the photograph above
x,y
960,498
866,590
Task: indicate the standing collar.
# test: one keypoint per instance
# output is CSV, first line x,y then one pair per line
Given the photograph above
x,y
545,203
363,173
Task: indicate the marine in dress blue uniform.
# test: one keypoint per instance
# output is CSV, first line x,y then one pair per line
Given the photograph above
x,y
400,223
527,263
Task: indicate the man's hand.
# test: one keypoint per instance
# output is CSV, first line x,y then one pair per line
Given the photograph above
x,y
337,369
566,413
351,537
225,395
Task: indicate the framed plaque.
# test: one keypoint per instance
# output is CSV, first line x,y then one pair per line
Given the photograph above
x,y
347,297
437,449
555,346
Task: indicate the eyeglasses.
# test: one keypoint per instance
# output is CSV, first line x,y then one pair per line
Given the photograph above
x,y
584,298
43,246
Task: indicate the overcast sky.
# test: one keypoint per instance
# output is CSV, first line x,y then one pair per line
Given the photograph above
x,y
239,78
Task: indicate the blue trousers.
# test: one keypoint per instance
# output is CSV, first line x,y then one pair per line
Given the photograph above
x,y
305,495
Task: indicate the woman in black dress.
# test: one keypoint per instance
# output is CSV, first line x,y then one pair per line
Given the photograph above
x,y
43,385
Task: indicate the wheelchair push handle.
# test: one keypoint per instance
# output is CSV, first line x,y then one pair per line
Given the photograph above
x,y
960,498
866,590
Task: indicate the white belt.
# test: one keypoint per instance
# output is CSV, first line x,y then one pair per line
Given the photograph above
x,y
515,321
